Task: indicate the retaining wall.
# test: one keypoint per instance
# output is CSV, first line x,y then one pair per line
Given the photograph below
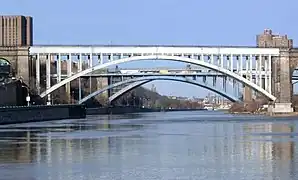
x,y
117,110
129,109
25,114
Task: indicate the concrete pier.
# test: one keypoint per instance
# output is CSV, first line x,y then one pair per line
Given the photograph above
x,y
280,108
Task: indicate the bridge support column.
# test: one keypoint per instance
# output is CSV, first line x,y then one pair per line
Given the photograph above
x,y
69,73
247,94
282,85
68,94
48,77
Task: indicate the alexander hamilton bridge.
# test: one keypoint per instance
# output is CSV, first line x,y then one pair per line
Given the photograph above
x,y
264,70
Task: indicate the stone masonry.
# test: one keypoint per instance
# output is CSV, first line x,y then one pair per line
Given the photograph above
x,y
20,62
282,67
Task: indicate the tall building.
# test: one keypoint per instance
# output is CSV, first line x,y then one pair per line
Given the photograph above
x,y
16,31
267,39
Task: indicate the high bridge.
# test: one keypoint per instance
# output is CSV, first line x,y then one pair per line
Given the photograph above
x,y
208,79
253,67
266,69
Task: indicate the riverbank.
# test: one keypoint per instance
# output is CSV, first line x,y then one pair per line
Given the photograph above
x,y
264,113
26,114
292,114
129,109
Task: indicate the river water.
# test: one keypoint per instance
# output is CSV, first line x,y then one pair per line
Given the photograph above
x,y
159,146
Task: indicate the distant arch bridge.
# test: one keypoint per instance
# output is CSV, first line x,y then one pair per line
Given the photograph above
x,y
136,82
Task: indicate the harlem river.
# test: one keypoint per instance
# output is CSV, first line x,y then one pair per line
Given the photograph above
x,y
155,146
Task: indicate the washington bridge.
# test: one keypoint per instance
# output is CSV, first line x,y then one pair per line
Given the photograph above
x,y
216,67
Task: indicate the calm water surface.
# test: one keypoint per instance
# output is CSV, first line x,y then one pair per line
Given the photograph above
x,y
172,145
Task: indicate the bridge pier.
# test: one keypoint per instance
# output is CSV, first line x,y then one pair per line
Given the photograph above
x,y
68,94
281,70
280,108
247,94
20,62
282,85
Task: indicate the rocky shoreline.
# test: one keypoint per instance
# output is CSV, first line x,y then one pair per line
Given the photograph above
x,y
293,114
255,107
250,107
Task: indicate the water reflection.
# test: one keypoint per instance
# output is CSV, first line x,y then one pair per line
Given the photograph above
x,y
275,146
273,140
124,147
22,144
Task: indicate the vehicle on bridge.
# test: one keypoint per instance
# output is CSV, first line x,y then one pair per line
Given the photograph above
x,y
129,71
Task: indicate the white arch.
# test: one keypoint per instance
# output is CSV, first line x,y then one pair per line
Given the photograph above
x,y
127,88
110,87
142,80
294,82
162,57
139,83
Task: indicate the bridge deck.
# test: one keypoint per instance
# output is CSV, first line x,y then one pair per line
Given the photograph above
x,y
143,45
154,49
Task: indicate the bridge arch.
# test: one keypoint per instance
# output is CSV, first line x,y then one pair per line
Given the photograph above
x,y
136,82
163,57
4,62
5,69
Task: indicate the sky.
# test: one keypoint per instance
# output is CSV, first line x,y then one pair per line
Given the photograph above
x,y
172,22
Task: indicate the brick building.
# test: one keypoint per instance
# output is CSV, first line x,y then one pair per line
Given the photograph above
x,y
267,39
16,31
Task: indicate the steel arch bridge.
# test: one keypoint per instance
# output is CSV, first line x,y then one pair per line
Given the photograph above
x,y
136,82
218,59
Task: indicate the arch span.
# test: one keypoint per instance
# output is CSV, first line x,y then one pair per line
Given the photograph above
x,y
4,62
294,82
142,80
163,57
127,88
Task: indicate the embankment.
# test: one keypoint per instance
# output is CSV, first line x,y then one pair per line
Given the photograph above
x,y
117,110
25,114
173,110
129,109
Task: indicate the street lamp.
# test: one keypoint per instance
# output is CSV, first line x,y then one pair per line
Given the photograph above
x,y
28,96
